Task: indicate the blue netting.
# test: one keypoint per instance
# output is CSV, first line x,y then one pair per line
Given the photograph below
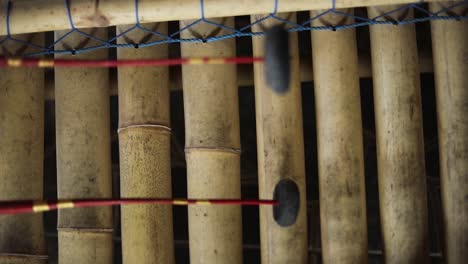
x,y
422,13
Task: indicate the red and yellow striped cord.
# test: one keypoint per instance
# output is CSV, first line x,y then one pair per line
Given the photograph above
x,y
51,63
18,207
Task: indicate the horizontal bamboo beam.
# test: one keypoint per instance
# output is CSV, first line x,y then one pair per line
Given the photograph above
x,y
28,16
245,74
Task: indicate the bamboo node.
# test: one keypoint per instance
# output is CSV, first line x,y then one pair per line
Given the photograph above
x,y
85,230
23,256
160,127
217,149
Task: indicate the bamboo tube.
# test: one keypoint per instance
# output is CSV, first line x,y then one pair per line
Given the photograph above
x,y
212,142
83,157
450,48
35,16
400,150
145,165
21,158
245,74
280,151
340,146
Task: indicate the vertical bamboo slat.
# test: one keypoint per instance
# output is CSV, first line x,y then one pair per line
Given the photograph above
x,y
280,151
21,157
212,147
340,145
400,149
83,156
145,164
450,48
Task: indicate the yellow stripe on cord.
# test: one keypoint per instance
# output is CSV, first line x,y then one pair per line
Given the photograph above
x,y
196,61
180,202
46,63
40,207
65,204
216,61
203,202
14,62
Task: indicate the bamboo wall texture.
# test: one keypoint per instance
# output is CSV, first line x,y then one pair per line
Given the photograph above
x,y
450,48
400,146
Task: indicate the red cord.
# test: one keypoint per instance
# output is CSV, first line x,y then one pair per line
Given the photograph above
x,y
50,63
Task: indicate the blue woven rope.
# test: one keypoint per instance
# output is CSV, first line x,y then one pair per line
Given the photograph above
x,y
230,32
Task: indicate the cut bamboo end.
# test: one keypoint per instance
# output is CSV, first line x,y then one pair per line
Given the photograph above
x,y
280,154
400,150
450,49
212,124
78,246
31,16
340,146
21,156
83,156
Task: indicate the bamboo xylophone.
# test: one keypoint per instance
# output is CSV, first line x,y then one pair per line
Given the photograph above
x,y
212,133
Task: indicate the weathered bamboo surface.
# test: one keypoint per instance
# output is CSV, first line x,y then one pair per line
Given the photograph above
x,y
400,150
212,141
37,16
245,76
83,157
280,142
450,48
21,158
340,144
145,161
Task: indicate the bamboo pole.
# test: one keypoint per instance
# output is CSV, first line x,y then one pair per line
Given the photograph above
x,y
280,151
212,148
400,150
450,48
83,157
340,146
21,158
145,165
245,74
36,16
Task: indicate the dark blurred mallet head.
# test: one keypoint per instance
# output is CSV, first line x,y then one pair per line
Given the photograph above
x,y
276,59
287,194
